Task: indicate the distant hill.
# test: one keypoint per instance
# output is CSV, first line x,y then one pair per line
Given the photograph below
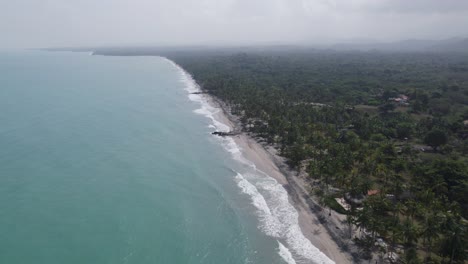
x,y
455,45
459,44
411,45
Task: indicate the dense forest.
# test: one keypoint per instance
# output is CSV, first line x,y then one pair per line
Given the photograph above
x,y
386,131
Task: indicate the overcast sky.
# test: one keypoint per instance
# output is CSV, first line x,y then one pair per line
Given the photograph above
x,y
49,23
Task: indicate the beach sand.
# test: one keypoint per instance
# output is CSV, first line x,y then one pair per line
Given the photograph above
x,y
324,236
265,159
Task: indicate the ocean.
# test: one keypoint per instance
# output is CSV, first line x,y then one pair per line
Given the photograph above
x,y
111,160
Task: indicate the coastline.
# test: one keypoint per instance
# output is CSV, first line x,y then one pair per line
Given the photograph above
x,y
310,239
267,160
326,242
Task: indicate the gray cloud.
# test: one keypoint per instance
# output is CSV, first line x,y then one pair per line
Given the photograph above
x,y
416,6
40,23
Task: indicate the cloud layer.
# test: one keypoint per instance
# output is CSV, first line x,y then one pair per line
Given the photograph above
x,y
44,23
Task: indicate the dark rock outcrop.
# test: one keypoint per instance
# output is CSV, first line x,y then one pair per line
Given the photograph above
x,y
224,134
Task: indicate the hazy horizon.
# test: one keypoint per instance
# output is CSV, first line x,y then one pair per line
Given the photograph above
x,y
67,23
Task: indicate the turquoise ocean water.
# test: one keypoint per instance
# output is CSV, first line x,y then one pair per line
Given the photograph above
x,y
109,160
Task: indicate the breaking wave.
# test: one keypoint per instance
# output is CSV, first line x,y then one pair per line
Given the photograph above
x,y
277,217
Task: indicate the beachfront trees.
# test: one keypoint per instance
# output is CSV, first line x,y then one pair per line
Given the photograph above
x,y
322,112
430,231
410,238
453,245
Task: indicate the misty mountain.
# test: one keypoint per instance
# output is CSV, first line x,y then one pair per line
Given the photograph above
x,y
455,45
411,45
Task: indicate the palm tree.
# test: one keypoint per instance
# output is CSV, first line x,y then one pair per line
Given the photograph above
x,y
411,256
396,225
430,231
455,240
412,208
351,219
363,219
410,235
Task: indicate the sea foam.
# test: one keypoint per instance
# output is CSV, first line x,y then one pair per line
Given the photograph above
x,y
277,217
285,254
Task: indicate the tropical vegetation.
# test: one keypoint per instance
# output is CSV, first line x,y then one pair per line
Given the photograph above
x,y
386,131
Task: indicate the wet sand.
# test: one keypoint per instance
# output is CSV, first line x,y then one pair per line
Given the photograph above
x,y
268,161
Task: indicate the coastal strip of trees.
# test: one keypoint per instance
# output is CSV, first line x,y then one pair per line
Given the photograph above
x,y
387,133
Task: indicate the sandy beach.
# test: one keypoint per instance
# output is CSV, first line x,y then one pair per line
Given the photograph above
x,y
265,159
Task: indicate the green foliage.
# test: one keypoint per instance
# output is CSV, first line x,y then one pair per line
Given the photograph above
x,y
330,202
404,130
453,246
387,107
320,109
378,138
436,138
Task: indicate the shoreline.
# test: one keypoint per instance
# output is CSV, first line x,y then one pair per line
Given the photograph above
x,y
326,236
310,213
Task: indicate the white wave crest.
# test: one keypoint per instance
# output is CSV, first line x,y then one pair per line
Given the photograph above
x,y
285,254
278,218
